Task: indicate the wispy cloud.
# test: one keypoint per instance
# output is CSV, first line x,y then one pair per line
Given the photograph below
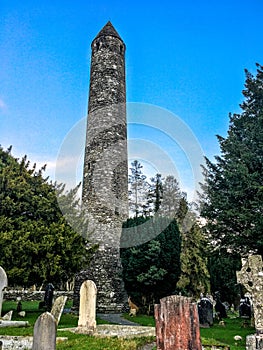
x,y
2,105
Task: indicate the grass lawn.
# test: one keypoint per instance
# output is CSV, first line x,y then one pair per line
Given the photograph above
x,y
216,335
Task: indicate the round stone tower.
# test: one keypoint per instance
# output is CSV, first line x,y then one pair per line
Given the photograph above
x,y
105,177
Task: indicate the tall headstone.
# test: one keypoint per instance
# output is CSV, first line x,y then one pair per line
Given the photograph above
x,y
87,308
3,284
251,277
45,332
105,176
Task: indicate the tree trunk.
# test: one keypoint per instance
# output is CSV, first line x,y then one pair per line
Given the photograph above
x,y
177,324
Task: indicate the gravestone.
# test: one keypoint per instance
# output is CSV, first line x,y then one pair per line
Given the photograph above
x,y
3,284
220,308
177,324
251,277
48,298
205,312
58,307
45,332
8,316
87,308
244,308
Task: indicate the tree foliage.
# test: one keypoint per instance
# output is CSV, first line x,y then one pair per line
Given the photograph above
x,y
232,201
174,255
36,243
138,189
194,278
151,270
222,268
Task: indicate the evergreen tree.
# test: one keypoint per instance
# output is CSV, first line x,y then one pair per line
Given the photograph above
x,y
138,189
222,267
172,196
151,270
232,201
155,193
194,278
36,243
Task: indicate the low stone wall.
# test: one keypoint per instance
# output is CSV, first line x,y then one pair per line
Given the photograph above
x,y
27,295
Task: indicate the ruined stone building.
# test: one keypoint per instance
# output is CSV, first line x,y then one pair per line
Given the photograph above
x,y
105,176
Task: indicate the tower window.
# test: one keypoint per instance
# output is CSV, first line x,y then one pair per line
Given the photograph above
x,y
88,166
121,49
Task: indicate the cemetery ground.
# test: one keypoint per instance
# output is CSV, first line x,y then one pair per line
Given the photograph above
x,y
215,335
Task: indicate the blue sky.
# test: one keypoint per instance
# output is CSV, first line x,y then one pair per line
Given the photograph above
x,y
185,57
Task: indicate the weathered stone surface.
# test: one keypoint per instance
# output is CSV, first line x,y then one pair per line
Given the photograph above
x,y
177,324
20,342
58,307
254,342
105,177
87,308
124,331
29,295
205,312
251,276
119,331
105,269
8,316
13,323
3,284
45,332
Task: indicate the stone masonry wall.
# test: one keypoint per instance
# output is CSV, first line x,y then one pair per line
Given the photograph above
x,y
27,295
105,175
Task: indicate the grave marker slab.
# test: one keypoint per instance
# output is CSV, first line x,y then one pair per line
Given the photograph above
x,y
58,307
87,308
205,312
3,284
177,324
45,332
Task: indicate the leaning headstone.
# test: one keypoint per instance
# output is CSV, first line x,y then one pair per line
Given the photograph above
x,y
205,312
3,284
58,308
8,316
251,277
45,332
87,308
177,324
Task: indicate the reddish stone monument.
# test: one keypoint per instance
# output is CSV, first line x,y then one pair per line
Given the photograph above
x,y
177,324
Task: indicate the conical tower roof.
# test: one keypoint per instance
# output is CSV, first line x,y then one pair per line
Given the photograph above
x,y
108,30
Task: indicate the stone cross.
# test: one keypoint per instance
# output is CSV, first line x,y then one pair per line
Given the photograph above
x,y
251,277
87,308
3,284
45,332
58,307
